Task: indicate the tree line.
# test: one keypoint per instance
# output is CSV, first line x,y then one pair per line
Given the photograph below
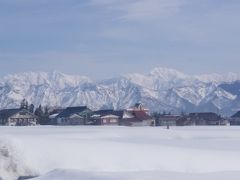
x,y
41,113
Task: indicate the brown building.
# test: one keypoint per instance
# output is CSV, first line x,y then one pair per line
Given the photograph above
x,y
137,116
17,117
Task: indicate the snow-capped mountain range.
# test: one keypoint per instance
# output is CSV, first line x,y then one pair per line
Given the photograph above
x,y
162,89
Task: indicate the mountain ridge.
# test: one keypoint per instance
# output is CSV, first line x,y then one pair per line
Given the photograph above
x,y
162,89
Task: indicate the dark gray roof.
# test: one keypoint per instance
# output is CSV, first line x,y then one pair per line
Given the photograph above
x,y
72,110
237,115
6,113
205,115
56,111
138,104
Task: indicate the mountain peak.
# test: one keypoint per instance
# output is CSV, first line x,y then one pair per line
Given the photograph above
x,y
162,89
167,73
218,78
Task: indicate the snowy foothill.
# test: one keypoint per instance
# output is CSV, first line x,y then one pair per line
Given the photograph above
x,y
114,153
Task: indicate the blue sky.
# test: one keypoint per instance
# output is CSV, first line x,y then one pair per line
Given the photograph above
x,y
105,38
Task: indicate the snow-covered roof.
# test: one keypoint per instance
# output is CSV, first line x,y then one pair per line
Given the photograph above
x,y
53,116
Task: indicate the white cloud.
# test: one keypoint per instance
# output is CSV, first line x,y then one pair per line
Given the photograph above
x,y
152,9
141,10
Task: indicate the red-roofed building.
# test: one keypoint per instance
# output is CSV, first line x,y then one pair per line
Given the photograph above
x,y
137,116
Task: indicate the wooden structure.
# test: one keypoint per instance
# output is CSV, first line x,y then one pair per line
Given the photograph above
x,y
17,117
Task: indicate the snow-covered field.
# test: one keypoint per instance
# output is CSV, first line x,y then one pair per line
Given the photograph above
x,y
120,153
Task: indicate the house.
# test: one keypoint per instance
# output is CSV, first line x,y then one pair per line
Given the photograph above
x,y
137,116
106,117
17,117
185,120
235,119
168,120
74,116
208,118
52,119
138,107
53,115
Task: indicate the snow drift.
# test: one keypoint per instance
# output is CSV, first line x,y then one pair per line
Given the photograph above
x,y
12,161
121,152
61,174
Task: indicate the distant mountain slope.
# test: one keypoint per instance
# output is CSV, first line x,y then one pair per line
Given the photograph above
x,y
162,89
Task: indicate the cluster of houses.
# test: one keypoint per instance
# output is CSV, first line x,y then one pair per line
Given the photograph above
x,y
137,115
192,119
81,115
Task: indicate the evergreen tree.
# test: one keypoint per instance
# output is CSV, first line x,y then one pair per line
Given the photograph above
x,y
24,104
164,113
39,113
156,116
46,111
31,108
43,115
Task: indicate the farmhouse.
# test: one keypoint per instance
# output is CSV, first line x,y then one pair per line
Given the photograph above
x,y
137,116
107,117
169,120
74,116
52,119
235,119
138,107
208,118
17,117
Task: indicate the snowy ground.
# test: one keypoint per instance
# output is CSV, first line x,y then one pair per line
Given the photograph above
x,y
120,153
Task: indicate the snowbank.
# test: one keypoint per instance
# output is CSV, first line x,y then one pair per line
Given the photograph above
x,y
12,162
121,151
77,175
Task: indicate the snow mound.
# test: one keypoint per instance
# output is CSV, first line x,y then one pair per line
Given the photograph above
x,y
63,174
120,153
12,163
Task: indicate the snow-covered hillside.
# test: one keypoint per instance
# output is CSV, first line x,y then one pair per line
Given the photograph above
x,y
120,153
162,89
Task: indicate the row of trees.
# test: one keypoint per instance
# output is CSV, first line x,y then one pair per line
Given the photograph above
x,y
40,112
